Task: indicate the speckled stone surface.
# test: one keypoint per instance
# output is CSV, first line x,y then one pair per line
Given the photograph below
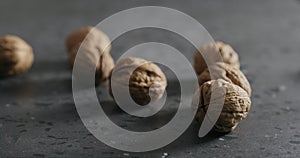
x,y
38,117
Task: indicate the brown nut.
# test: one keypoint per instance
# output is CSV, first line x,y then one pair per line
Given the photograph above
x,y
236,105
229,56
146,80
95,45
16,56
227,73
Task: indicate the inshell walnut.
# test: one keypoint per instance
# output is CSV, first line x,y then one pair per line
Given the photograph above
x,y
95,45
147,82
16,56
227,73
227,53
236,105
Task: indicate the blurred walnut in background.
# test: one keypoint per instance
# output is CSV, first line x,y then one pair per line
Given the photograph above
x,y
227,53
94,45
16,56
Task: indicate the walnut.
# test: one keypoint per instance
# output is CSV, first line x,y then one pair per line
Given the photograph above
x,y
229,56
16,56
236,104
227,73
96,45
146,80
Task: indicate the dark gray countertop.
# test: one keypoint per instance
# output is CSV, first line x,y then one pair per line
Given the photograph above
x,y
38,117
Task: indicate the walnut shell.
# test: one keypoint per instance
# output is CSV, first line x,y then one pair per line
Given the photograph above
x,y
227,73
16,56
229,56
95,44
146,83
236,105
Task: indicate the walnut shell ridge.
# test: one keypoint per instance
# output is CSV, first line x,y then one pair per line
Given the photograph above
x,y
95,45
146,80
236,105
227,73
227,53
16,56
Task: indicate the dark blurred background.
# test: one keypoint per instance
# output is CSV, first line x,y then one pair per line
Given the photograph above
x,y
37,114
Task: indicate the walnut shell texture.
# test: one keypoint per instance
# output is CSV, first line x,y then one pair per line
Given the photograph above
x,y
227,73
16,56
228,54
146,83
95,45
236,105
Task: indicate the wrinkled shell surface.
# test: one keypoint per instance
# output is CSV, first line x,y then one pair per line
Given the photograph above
x,y
227,73
95,45
145,81
16,56
236,105
229,56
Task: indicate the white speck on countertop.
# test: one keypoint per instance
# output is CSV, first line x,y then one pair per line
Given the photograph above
x,y
221,139
267,136
7,105
165,155
126,154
